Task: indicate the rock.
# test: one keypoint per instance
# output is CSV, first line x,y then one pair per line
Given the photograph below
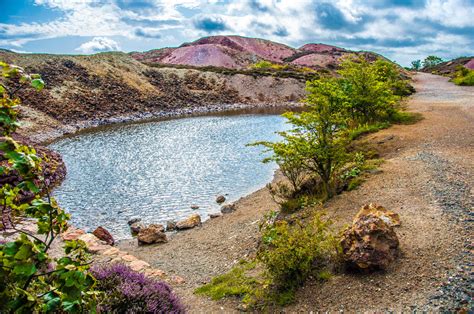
x,y
194,207
178,280
111,251
72,233
136,227
96,248
228,208
152,234
134,220
389,217
190,222
215,215
160,227
139,265
170,225
90,239
129,258
102,234
220,199
370,243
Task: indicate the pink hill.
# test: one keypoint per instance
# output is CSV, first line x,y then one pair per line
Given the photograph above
x,y
470,64
320,48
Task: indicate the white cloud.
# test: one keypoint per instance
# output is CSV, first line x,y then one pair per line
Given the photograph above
x,y
98,44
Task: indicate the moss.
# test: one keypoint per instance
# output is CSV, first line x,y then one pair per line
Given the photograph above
x,y
234,283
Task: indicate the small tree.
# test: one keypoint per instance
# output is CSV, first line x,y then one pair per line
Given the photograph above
x,y
369,93
317,142
416,65
31,280
431,61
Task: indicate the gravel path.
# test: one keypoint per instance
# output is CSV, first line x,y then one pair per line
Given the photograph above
x,y
427,179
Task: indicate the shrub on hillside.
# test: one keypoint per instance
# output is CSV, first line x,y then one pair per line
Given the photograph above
x,y
128,291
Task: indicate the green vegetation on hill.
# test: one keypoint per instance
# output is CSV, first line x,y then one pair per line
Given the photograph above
x,y
464,77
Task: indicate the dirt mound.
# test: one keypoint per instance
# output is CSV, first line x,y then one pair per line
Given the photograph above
x,y
321,48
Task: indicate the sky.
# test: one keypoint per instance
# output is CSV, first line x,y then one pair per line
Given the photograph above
x,y
402,30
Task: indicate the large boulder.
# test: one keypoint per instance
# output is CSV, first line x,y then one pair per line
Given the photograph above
x,y
371,242
190,222
152,234
102,234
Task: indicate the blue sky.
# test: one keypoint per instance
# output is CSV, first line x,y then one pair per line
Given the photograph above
x,y
402,30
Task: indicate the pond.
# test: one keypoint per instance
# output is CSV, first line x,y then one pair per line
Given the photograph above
x,y
156,170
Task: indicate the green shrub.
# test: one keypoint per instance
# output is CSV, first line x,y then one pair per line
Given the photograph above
x,y
291,253
464,77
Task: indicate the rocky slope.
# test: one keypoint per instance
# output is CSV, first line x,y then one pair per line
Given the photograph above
x,y
109,87
238,52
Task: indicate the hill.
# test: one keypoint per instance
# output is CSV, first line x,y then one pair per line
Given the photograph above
x,y
237,52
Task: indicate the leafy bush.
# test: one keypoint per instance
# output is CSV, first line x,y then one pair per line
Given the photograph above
x,y
416,65
369,89
290,253
128,291
464,77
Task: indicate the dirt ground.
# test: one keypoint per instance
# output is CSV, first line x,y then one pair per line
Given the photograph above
x,y
426,178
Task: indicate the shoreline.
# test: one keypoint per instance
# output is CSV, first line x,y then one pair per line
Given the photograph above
x,y
46,138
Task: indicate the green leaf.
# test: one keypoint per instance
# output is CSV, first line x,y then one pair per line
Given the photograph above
x,y
24,269
24,252
38,84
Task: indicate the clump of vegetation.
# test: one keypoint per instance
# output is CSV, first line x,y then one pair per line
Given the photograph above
x,y
291,253
431,61
31,280
269,65
237,282
464,76
131,292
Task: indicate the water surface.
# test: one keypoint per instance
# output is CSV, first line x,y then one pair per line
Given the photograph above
x,y
157,170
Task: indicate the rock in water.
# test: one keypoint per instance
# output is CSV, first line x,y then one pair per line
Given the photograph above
x,y
228,208
389,217
102,234
190,222
220,199
194,207
170,225
370,243
152,234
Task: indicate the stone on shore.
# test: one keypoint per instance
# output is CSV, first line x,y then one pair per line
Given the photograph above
x,y
215,215
152,234
136,227
133,220
220,199
370,243
72,233
170,225
228,208
190,222
102,234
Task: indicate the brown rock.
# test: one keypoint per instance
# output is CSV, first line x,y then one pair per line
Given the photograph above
x,y
215,215
160,227
102,234
389,217
190,222
152,234
220,199
139,265
370,243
